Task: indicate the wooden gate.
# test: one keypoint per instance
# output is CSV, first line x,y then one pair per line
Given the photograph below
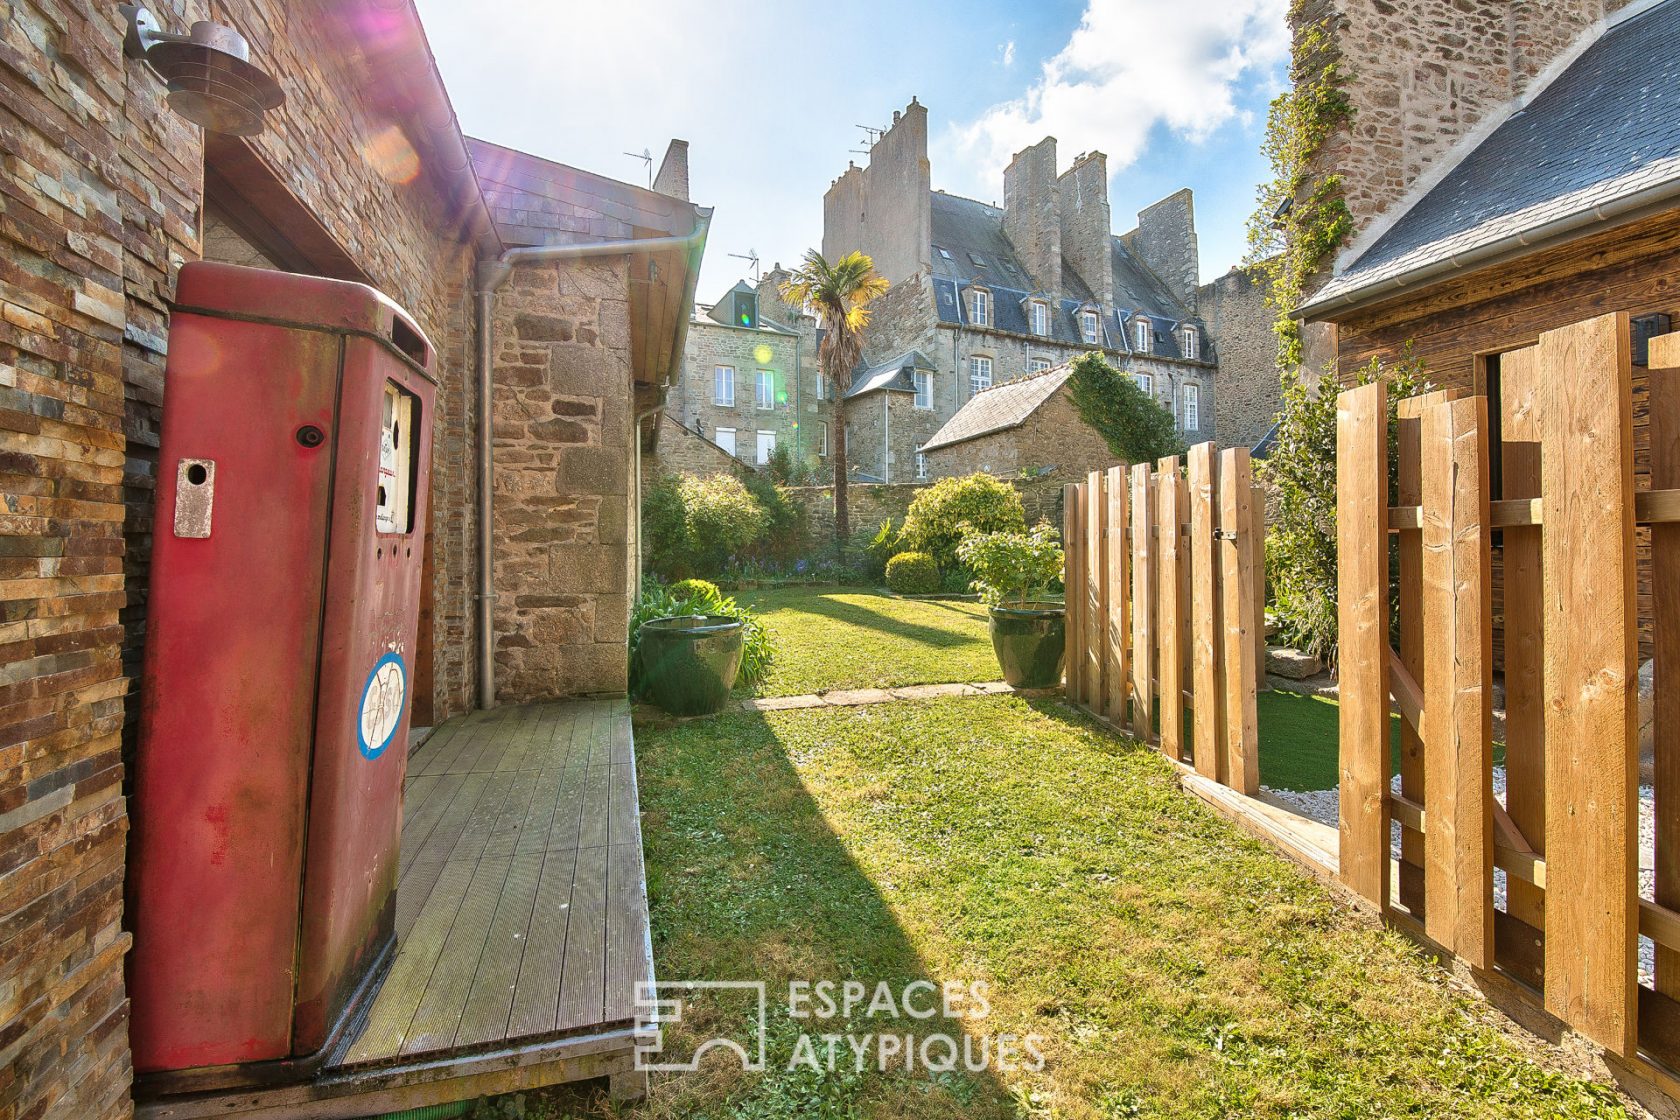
x,y
1568,836
1165,614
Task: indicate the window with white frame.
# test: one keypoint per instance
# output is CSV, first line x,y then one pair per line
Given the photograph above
x,y
1192,394
1040,316
1037,365
725,438
979,375
822,386
980,307
822,439
921,465
1143,337
924,388
723,385
1146,382
766,388
1088,326
766,444
1192,343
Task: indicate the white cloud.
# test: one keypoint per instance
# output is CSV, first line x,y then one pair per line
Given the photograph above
x,y
1129,66
1009,53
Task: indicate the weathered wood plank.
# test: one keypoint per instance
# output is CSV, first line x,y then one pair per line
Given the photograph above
x,y
1119,620
439,1013
1206,687
1073,580
628,959
1100,665
1522,608
1586,432
1664,406
1409,485
1362,626
536,994
1143,607
1169,515
1236,579
484,1018
1458,682
584,977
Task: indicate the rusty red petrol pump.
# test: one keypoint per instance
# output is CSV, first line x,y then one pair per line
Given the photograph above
x,y
282,620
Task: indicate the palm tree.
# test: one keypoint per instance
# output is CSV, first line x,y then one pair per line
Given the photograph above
x,y
839,293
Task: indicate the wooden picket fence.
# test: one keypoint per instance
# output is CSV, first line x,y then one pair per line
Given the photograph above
x,y
1568,837
1165,606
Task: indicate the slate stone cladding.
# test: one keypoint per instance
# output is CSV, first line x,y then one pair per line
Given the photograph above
x,y
1049,244
1250,392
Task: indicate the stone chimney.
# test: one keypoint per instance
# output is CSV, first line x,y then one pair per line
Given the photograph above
x,y
1165,240
1031,214
1082,198
885,209
673,171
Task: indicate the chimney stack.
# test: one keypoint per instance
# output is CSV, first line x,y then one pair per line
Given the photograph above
x,y
1031,214
1087,229
885,209
673,171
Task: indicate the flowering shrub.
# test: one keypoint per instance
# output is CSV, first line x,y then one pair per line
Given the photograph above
x,y
1013,569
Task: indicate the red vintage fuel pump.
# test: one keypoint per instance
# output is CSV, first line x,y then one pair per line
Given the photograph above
x,y
281,630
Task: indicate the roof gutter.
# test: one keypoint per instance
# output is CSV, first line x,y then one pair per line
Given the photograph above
x,y
1629,208
492,275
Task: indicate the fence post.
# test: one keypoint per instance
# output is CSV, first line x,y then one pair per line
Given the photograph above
x,y
1236,579
1362,630
1096,597
1169,517
1073,582
1143,608
1119,596
1457,682
1525,709
1206,701
1664,383
1586,465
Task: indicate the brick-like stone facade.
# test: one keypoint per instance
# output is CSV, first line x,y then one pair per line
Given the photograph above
x,y
1165,238
1053,436
681,450
1250,392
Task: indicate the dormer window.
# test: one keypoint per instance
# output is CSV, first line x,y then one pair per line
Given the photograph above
x,y
980,307
1142,334
946,253
1191,339
1088,326
979,261
1039,312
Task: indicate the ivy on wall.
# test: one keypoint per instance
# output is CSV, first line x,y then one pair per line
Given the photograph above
x,y
1133,424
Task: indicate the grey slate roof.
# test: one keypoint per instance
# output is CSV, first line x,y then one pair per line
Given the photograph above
x,y
894,374
535,201
1605,129
999,408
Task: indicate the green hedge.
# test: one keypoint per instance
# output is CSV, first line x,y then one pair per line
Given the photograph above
x,y
941,514
913,573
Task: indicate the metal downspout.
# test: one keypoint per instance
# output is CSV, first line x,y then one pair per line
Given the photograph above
x,y
491,276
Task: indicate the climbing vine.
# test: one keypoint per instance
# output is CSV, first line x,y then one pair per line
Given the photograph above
x,y
1301,216
1133,424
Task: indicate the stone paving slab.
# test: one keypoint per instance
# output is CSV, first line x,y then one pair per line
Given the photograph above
x,y
861,697
853,697
781,703
933,691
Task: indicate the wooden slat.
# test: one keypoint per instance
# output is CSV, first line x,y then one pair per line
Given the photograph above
x,y
1407,693
1362,627
1143,607
1095,612
439,1012
1236,580
1457,682
583,980
1119,633
1525,708
1663,407
1169,514
1650,507
484,1018
1206,685
1586,431
1257,562
1409,813
536,994
628,962
1073,580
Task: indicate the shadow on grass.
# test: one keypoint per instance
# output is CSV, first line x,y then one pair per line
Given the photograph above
x,y
870,619
747,881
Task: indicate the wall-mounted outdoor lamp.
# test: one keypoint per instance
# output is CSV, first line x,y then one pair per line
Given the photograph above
x,y
208,72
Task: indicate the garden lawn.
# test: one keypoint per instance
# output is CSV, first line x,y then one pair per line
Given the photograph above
x,y
1300,739
1171,966
852,638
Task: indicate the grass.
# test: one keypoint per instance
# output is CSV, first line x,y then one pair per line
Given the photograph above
x,y
1171,967
1299,739
829,638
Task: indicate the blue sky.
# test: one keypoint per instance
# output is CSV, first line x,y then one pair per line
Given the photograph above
x,y
769,96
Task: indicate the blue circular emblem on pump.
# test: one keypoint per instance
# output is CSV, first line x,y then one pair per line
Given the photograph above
x,y
382,705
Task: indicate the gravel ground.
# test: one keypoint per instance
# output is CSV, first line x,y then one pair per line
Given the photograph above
x,y
1320,805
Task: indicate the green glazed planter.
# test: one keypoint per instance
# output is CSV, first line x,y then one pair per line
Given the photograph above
x,y
1030,643
689,662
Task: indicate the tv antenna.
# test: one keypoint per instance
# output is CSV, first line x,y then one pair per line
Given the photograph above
x,y
646,157
749,255
871,136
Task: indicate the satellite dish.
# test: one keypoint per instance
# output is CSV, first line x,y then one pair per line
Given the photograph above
x,y
207,72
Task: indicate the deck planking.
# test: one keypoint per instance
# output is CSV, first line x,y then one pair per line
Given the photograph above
x,y
521,904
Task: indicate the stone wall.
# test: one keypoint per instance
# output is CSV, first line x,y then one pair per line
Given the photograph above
x,y
683,451
1087,224
884,209
1165,240
1054,438
1032,217
1250,394
868,504
563,458
710,344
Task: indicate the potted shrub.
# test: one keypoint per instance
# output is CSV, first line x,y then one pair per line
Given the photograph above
x,y
690,645
1014,573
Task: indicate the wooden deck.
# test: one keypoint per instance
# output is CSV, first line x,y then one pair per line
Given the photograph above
x,y
522,925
